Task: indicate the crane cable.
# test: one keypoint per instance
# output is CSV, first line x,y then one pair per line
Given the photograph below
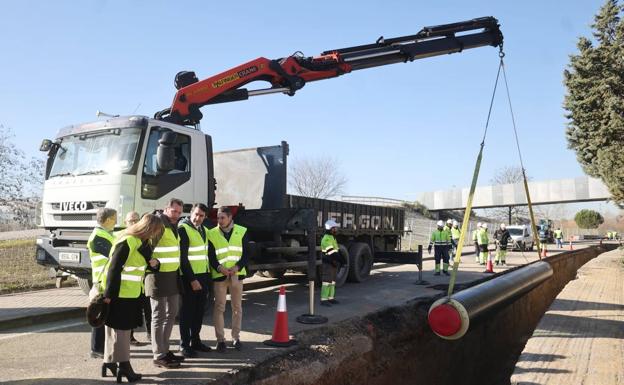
x,y
524,177
475,176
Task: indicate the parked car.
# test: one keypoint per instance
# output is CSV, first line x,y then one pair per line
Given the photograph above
x,y
522,237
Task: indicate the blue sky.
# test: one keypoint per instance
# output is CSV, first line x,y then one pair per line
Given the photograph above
x,y
396,130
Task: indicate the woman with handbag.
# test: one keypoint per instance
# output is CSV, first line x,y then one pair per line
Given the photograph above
x,y
122,287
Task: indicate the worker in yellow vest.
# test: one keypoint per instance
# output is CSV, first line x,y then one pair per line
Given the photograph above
x,y
163,286
122,284
455,234
475,241
195,279
483,240
99,246
441,239
227,254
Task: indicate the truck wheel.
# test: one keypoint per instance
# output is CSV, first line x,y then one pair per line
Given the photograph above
x,y
361,262
343,270
84,284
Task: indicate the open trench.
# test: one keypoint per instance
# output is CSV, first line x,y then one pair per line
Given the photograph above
x,y
396,345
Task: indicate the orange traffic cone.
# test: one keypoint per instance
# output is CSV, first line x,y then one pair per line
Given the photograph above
x,y
489,268
280,331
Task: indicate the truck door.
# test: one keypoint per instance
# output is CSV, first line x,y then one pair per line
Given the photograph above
x,y
158,185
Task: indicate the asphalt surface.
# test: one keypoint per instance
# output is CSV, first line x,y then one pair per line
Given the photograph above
x,y
58,352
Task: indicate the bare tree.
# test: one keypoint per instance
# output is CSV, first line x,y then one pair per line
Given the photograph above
x,y
508,175
316,177
22,181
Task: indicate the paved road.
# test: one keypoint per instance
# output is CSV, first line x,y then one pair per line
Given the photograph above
x,y
57,353
580,339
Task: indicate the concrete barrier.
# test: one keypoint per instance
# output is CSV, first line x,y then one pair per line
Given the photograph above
x,y
397,346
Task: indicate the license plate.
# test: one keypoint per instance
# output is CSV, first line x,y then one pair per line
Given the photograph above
x,y
69,257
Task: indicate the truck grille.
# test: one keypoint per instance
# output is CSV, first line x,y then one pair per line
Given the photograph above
x,y
74,217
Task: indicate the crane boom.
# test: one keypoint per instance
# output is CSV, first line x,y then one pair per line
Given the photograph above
x,y
289,74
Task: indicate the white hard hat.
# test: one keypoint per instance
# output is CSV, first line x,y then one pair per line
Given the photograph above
x,y
455,223
330,224
449,221
503,226
478,224
440,223
484,225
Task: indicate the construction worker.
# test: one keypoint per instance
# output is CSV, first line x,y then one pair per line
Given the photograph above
x,y
442,241
483,241
195,279
502,240
559,238
332,259
475,241
228,253
99,245
455,233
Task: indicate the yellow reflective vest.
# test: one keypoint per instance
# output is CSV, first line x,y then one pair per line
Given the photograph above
x,y
98,261
227,252
197,249
133,270
167,251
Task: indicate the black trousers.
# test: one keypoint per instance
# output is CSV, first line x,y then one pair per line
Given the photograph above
x,y
192,311
97,339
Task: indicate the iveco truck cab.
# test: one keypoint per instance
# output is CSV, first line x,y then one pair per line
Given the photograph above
x,y
130,163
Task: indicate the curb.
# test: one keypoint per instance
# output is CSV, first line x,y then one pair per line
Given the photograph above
x,y
42,318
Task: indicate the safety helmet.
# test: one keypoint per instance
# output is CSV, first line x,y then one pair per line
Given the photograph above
x,y
503,226
440,223
330,224
449,221
478,224
484,225
455,223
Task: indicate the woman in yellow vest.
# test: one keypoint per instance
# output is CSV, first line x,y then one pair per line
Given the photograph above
x,y
122,283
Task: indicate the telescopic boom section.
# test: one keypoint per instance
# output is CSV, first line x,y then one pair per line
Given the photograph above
x,y
287,75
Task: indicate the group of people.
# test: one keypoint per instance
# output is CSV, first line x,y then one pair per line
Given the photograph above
x,y
481,240
444,240
156,262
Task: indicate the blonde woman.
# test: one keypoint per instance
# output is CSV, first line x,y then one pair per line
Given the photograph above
x,y
122,285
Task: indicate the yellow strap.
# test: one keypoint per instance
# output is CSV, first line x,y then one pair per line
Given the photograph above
x,y
465,222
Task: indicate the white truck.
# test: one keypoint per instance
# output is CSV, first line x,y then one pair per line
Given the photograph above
x,y
136,163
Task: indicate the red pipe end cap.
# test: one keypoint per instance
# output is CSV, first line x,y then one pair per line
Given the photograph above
x,y
445,320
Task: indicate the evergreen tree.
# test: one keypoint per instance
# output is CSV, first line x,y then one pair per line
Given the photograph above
x,y
595,100
588,219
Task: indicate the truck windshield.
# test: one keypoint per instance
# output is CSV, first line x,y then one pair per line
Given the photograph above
x,y
105,152
513,231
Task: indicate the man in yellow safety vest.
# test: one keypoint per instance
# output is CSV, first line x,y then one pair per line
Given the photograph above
x,y
227,254
195,279
99,245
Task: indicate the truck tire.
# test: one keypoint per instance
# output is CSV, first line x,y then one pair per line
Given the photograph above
x,y
361,262
84,284
343,270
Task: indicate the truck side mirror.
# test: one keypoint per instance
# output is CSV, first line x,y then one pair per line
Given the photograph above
x,y
165,153
46,145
